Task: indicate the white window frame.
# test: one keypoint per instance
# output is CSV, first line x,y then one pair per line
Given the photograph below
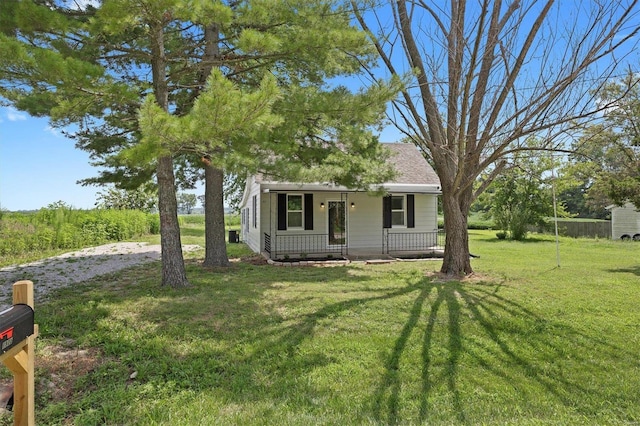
x,y
403,211
301,212
245,221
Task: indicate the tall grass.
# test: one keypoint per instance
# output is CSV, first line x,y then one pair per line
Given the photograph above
x,y
61,227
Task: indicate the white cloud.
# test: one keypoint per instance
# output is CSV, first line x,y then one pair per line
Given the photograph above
x,y
15,115
53,131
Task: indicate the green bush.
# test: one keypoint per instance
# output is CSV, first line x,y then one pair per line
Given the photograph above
x,y
61,227
232,220
474,221
153,223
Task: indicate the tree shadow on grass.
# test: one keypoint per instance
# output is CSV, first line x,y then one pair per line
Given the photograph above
x,y
634,271
242,335
516,346
151,338
528,240
387,397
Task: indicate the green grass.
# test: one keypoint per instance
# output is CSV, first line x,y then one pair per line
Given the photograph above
x,y
521,342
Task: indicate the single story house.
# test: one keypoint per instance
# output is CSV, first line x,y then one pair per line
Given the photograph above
x,y
299,220
625,222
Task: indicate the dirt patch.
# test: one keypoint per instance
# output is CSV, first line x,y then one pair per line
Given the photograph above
x,y
255,259
58,368
474,278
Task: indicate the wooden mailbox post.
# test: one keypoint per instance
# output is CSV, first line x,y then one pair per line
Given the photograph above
x,y
17,346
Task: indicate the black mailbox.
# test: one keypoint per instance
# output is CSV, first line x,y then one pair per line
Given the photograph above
x,y
16,324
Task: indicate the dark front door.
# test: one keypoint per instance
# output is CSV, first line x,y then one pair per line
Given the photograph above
x,y
337,223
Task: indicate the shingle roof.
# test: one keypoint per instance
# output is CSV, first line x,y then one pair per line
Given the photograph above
x,y
410,165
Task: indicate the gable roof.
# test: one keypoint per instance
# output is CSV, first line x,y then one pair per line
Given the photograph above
x,y
411,166
413,174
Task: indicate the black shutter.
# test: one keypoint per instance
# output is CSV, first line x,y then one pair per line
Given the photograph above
x,y
282,212
308,212
255,211
411,215
386,211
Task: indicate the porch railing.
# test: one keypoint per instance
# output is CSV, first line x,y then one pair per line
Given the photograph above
x,y
311,245
267,243
301,245
423,242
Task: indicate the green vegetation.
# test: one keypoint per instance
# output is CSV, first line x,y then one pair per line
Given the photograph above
x,y
475,221
520,342
521,196
25,236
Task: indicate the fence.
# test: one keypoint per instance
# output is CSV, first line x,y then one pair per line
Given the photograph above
x,y
423,242
589,229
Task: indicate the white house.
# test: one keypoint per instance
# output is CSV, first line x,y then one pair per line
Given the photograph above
x,y
625,222
287,219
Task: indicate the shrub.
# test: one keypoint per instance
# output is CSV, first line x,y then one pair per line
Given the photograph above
x,y
153,223
61,227
232,219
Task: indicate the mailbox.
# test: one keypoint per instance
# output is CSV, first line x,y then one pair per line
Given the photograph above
x,y
16,324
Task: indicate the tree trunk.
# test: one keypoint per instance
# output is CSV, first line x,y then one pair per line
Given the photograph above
x,y
215,245
173,270
457,260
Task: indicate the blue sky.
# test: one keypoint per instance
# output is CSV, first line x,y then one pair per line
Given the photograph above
x,y
39,166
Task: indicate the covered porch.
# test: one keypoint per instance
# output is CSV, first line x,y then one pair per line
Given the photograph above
x,y
316,245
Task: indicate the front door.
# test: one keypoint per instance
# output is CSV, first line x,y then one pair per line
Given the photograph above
x,y
337,223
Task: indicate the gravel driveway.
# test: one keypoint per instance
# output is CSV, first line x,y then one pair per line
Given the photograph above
x,y
75,267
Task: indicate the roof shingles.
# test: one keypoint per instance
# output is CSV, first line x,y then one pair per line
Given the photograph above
x,y
410,165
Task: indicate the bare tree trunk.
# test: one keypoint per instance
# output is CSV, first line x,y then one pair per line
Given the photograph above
x,y
173,270
456,260
215,246
489,78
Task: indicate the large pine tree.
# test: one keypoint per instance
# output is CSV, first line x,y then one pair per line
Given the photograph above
x,y
95,67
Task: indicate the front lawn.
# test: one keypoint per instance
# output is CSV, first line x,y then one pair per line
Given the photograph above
x,y
521,342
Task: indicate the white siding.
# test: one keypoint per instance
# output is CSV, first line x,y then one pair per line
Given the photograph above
x,y
252,237
287,245
364,220
625,221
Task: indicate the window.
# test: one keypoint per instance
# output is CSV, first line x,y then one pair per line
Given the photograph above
x,y
294,211
255,211
397,210
245,222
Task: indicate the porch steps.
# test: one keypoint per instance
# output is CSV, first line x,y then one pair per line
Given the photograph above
x,y
378,261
